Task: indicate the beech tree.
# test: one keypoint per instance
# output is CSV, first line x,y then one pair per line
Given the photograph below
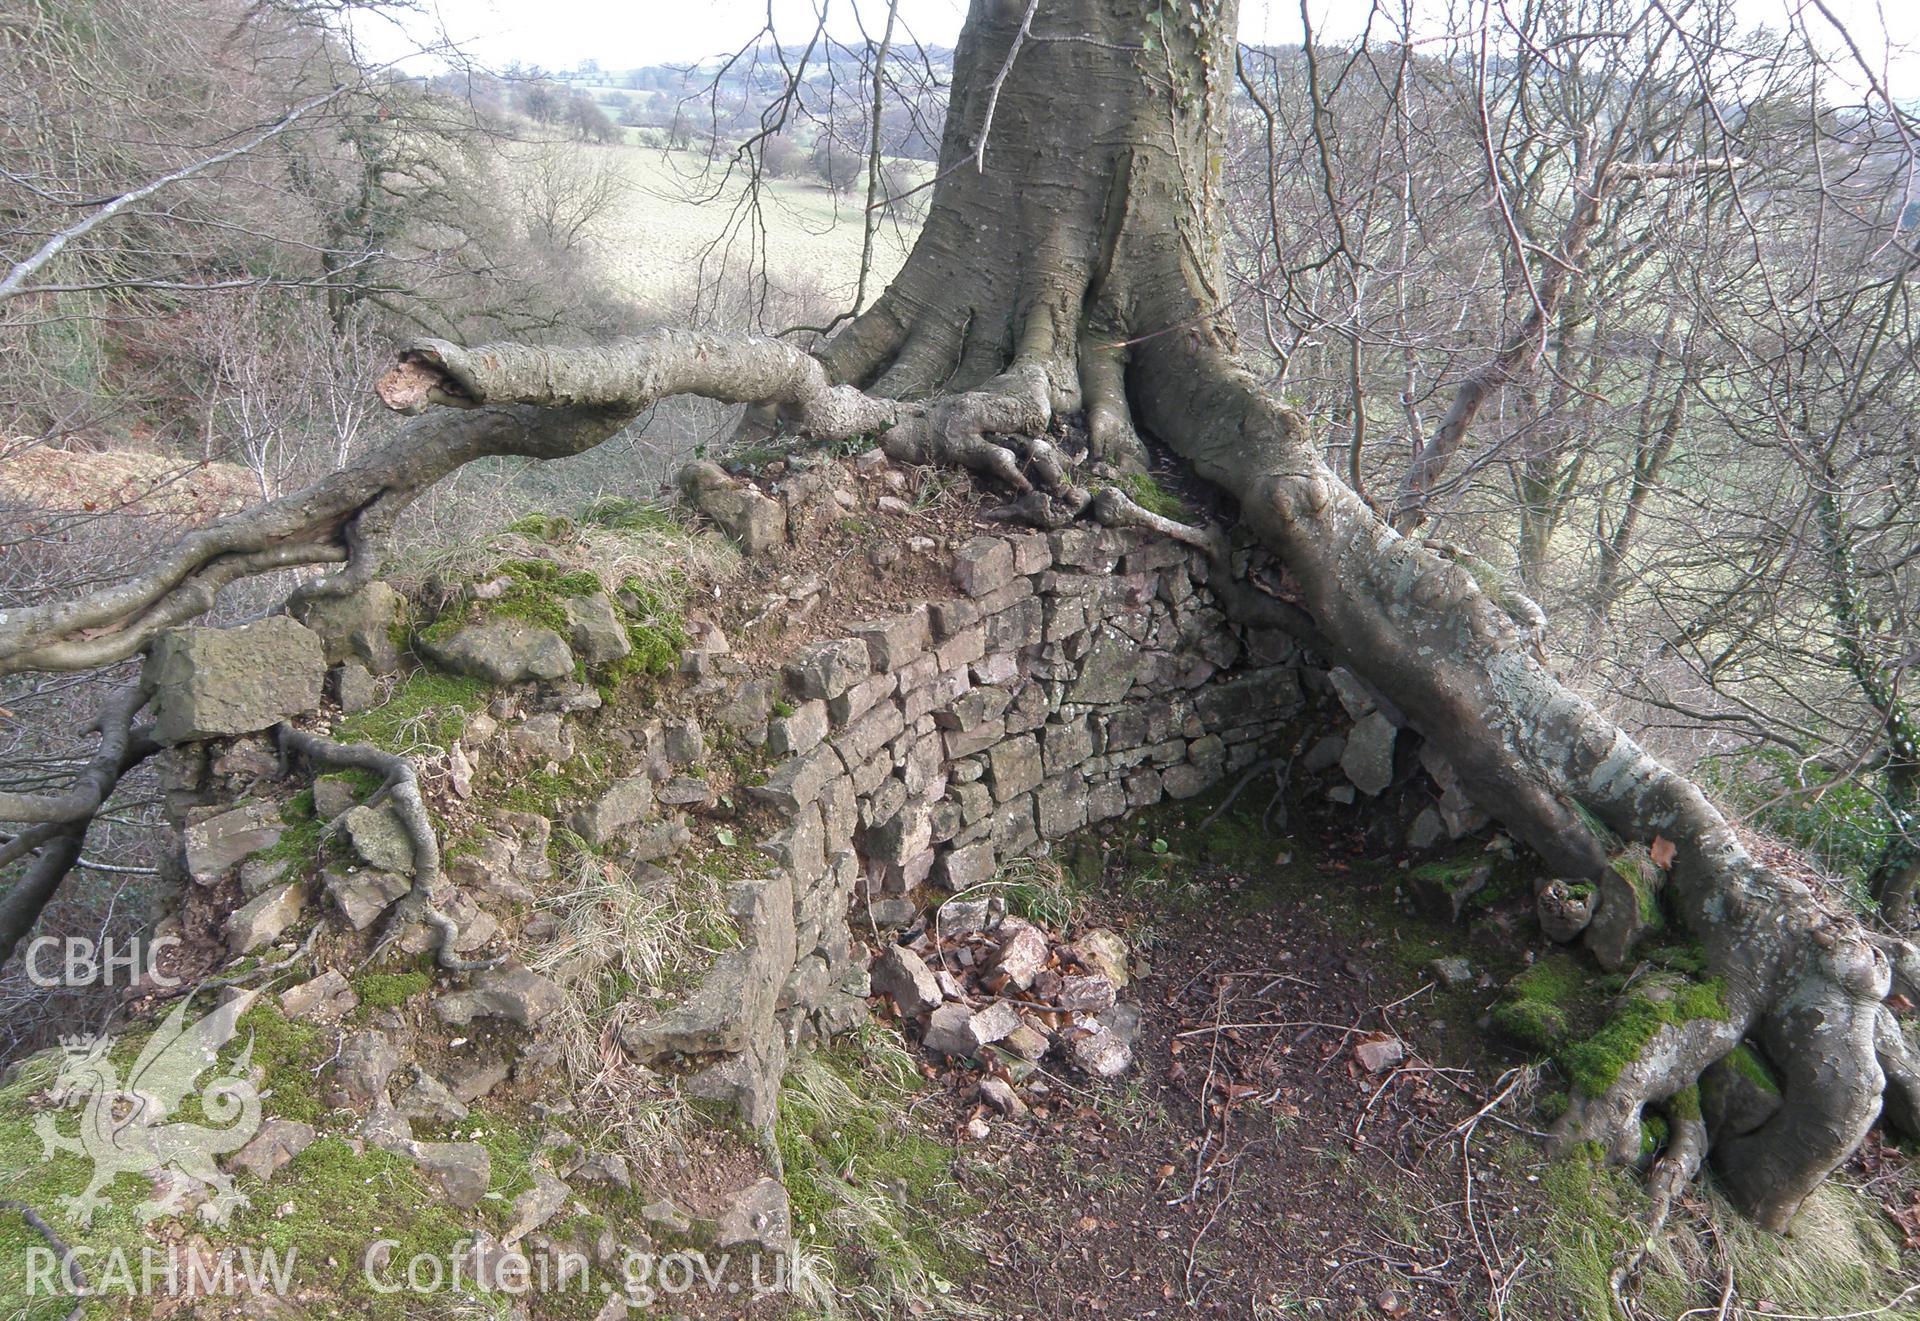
x,y
1071,262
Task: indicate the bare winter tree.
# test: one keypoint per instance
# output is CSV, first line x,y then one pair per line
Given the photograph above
x,y
1072,260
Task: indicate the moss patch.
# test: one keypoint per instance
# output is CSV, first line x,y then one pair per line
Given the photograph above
x,y
303,841
431,706
390,990
285,1052
1593,1064
1746,1062
655,630
1544,1005
1560,1008
1144,491
343,1203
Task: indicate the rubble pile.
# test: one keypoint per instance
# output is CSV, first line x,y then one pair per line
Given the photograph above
x,y
995,991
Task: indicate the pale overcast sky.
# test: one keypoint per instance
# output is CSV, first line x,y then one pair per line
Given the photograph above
x,y
558,34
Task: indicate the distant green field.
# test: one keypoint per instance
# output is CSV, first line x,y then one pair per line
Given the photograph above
x,y
679,213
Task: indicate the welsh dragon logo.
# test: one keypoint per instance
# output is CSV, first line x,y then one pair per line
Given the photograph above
x,y
120,1125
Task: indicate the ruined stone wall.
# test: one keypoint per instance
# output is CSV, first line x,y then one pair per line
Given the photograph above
x,y
1070,678
1052,683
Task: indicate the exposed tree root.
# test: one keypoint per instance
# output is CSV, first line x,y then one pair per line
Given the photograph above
x,y
1806,989
1803,986
73,1275
63,819
402,787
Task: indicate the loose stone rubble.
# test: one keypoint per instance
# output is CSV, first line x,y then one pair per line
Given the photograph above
x,y
998,995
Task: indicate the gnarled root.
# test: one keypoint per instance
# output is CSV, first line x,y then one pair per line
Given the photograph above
x,y
1819,1034
61,820
1899,1058
402,787
1667,1064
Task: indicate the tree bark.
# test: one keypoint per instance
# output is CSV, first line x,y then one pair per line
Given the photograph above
x,y
1095,225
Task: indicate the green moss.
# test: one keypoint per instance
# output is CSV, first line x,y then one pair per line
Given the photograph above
x,y
431,706
361,782
583,1227
341,1203
864,1182
390,990
1593,1063
1688,959
1653,1134
510,1150
286,1053
1542,1005
535,593
539,791
1685,1103
1746,1062
1558,1008
782,707
655,630
551,528
33,1178
304,839
1144,491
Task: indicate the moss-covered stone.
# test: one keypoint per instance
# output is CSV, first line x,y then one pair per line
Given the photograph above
x,y
1545,1004
390,990
430,706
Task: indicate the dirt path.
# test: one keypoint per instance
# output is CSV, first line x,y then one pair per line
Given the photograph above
x,y
1252,1164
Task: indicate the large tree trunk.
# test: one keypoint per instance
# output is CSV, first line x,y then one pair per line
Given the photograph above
x,y
1080,269
1087,253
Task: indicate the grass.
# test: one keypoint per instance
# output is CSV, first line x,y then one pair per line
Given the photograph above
x,y
1839,1258
626,940
869,1191
812,241
1034,888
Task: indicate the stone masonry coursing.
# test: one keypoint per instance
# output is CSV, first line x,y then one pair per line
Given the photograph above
x,y
1059,681
1072,677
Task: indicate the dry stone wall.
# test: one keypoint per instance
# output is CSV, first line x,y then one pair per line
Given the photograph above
x,y
1060,680
1070,677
